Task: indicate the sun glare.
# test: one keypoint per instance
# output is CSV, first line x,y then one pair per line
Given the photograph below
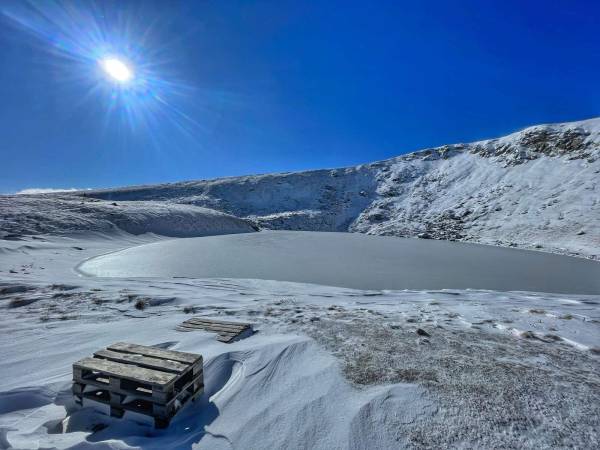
x,y
119,64
117,69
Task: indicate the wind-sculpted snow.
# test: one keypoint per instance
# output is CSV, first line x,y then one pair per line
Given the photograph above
x,y
329,368
537,188
51,214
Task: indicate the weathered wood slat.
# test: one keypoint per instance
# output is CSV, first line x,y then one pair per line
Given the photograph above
x,y
226,325
126,371
172,355
198,380
216,328
162,414
107,395
226,338
210,330
139,394
143,361
131,406
220,322
229,333
220,332
217,325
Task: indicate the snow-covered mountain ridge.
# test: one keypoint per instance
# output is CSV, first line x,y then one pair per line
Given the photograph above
x,y
536,188
67,214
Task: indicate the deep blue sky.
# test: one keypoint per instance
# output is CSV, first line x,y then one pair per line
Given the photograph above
x,y
246,87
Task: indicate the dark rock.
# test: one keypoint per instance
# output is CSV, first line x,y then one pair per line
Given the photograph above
x,y
13,237
140,304
422,332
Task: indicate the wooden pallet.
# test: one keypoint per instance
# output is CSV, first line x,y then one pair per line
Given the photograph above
x,y
146,380
227,331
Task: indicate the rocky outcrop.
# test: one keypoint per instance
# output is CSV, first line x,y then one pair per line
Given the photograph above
x,y
575,142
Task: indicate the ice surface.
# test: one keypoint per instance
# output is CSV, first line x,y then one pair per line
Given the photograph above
x,y
353,260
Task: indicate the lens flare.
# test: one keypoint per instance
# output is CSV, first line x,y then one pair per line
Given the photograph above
x,y
118,58
117,69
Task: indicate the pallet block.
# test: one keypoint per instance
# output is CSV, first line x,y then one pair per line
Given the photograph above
x,y
228,332
146,380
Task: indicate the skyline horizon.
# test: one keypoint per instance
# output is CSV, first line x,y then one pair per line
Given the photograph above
x,y
134,92
51,190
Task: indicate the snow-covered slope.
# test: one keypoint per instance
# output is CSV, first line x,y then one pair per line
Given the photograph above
x,y
330,368
537,188
62,214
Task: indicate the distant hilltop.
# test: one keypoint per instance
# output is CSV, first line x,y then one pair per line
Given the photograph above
x,y
536,188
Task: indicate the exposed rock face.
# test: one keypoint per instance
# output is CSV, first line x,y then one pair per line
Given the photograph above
x,y
575,142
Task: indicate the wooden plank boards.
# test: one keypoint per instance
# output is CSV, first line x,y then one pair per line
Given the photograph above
x,y
215,321
147,380
227,331
172,355
218,322
142,361
216,329
225,338
126,371
228,338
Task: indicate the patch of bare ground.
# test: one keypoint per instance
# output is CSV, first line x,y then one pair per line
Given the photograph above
x,y
493,390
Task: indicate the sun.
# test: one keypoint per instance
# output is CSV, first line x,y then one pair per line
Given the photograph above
x,y
117,69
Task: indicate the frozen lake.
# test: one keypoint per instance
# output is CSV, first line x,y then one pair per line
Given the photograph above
x,y
352,260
